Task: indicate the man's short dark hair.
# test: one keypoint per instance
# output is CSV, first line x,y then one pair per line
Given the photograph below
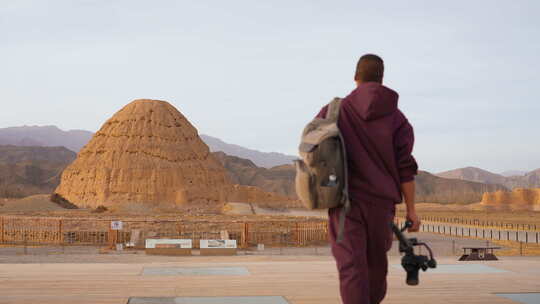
x,y
370,67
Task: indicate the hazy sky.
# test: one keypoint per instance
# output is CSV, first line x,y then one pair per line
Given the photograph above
x,y
254,72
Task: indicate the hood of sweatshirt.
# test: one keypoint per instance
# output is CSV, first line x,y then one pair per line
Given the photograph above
x,y
372,100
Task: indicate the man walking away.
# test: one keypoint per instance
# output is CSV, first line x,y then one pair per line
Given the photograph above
x,y
379,142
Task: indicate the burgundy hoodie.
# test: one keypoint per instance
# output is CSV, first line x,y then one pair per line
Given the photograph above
x,y
379,142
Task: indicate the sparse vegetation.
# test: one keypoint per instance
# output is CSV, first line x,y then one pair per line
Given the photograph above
x,y
62,202
100,209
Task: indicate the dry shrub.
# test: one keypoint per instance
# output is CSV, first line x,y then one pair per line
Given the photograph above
x,y
62,202
100,209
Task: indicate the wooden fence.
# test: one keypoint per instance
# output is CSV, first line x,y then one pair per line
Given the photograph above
x,y
61,231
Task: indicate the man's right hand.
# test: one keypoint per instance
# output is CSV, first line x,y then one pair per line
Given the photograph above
x,y
411,216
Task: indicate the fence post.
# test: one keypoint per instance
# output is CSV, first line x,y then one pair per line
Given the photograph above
x,y
520,248
2,229
60,233
297,235
537,238
25,243
246,233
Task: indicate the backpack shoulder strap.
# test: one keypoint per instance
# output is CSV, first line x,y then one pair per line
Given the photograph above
x,y
333,114
333,109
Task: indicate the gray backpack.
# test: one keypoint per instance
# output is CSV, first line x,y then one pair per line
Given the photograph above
x,y
321,173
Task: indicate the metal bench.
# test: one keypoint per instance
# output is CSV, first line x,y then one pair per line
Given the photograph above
x,y
479,254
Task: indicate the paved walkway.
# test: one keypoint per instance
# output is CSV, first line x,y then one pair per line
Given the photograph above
x,y
299,279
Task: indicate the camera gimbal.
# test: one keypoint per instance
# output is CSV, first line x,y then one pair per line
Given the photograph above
x,y
412,262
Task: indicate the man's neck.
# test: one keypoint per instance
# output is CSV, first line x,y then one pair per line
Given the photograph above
x,y
358,83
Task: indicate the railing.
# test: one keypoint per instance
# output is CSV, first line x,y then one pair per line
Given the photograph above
x,y
482,223
480,232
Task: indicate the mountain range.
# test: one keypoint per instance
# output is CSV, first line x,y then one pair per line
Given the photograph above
x,y
46,136
528,180
74,140
513,173
280,179
272,172
27,171
261,159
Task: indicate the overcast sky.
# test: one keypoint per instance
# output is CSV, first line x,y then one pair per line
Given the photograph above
x,y
254,72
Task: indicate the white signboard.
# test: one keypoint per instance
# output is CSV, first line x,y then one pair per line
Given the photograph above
x,y
218,243
169,243
116,225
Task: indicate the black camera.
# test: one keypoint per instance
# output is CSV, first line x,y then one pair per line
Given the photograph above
x,y
410,261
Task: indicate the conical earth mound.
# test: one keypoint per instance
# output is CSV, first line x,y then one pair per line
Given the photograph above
x,y
148,152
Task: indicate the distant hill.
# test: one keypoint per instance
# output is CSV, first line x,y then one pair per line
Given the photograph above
x,y
527,180
513,173
27,171
49,136
474,174
434,189
278,179
261,159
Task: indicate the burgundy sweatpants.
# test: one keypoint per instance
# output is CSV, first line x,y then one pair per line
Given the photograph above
x,y
361,257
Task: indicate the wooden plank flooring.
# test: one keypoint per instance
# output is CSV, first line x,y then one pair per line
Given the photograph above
x,y
300,279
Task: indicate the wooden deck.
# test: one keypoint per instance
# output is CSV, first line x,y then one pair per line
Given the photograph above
x,y
300,279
